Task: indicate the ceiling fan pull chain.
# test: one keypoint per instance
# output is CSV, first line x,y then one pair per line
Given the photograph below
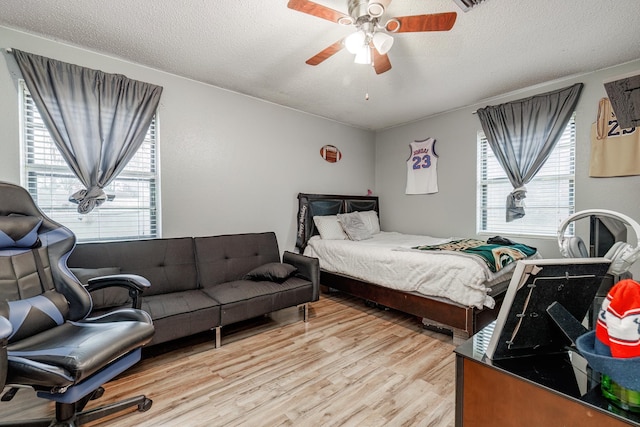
x,y
366,84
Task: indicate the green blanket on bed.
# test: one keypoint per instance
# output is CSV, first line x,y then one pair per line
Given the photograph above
x,y
494,256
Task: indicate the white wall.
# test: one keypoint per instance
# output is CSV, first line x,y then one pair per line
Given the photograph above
x,y
452,211
229,163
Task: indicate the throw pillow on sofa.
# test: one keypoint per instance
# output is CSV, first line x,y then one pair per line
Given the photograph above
x,y
272,272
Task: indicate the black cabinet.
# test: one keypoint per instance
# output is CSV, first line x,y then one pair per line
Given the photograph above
x,y
549,390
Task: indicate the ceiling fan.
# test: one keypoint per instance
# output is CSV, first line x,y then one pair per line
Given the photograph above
x,y
372,40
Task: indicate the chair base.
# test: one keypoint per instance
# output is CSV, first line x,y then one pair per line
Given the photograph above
x,y
72,414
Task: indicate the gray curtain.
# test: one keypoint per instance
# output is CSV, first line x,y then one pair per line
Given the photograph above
x,y
97,120
522,135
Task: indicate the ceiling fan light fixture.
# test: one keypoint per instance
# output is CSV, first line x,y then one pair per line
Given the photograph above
x,y
376,8
382,42
363,56
346,20
355,41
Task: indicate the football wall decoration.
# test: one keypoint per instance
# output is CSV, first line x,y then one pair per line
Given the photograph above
x,y
330,153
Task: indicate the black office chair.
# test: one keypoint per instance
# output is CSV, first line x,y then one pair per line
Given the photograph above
x,y
48,342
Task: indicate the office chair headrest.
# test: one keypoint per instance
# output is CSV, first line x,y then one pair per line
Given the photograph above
x,y
19,231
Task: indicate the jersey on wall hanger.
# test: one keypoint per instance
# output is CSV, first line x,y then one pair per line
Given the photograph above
x,y
422,176
614,151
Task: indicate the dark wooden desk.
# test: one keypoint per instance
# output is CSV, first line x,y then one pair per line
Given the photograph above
x,y
552,390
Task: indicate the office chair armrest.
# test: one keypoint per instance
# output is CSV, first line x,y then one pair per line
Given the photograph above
x,y
134,283
5,328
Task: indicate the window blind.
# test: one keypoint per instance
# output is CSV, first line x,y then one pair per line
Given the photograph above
x,y
132,209
550,195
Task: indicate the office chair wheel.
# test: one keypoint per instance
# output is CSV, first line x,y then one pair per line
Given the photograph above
x,y
145,405
97,393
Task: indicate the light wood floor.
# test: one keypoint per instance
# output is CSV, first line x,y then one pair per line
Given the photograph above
x,y
349,365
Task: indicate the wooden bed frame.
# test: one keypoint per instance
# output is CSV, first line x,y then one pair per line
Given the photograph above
x,y
435,312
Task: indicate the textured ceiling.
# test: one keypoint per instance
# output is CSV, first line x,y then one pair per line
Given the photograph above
x,y
259,48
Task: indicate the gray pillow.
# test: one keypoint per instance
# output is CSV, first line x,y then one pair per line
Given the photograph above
x,y
354,226
371,220
103,298
272,272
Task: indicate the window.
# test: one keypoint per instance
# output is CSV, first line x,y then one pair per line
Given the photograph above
x,y
131,214
550,195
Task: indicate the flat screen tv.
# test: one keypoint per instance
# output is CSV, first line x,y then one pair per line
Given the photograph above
x,y
524,326
604,232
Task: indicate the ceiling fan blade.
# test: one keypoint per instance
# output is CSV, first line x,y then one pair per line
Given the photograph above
x,y
316,9
432,22
381,63
326,53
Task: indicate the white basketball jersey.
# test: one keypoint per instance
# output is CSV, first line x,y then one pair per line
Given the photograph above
x,y
422,176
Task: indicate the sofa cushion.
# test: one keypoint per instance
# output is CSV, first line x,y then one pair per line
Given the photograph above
x,y
227,258
168,264
114,296
272,271
180,314
240,290
167,305
244,299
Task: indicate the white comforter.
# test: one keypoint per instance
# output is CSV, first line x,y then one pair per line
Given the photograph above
x,y
387,260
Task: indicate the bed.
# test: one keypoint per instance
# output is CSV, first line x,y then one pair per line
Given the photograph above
x,y
447,290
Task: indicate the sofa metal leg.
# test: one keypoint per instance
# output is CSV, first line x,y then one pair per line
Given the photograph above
x,y
305,316
218,338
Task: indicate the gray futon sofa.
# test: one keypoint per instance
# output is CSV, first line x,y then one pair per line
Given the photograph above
x,y
201,283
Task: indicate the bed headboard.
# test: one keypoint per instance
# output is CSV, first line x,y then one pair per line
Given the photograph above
x,y
310,205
